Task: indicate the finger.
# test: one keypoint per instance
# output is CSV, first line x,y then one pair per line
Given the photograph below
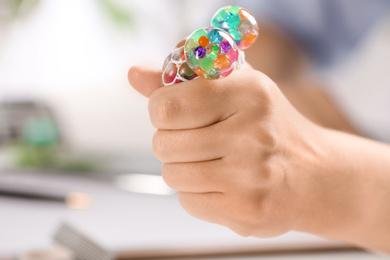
x,y
195,103
145,81
197,177
204,206
193,145
226,209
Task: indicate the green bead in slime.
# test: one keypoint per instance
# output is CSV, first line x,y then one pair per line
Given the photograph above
x,y
233,20
207,64
235,34
199,33
213,50
193,61
190,44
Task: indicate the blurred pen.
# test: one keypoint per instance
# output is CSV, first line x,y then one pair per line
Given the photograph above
x,y
74,200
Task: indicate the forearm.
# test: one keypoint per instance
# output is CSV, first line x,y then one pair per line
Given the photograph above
x,y
348,195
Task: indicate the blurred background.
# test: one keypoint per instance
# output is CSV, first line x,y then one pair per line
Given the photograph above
x,y
70,59
67,108
67,62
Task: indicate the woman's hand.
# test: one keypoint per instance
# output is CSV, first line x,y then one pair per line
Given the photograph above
x,y
233,148
240,155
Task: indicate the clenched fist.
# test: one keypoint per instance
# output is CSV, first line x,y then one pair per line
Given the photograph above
x,y
240,155
229,148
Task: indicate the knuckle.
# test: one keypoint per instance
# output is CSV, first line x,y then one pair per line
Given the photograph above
x,y
159,146
168,176
244,232
187,201
264,83
268,140
257,180
272,139
164,111
263,92
195,204
241,228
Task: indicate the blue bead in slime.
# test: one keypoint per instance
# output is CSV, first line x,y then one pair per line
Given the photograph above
x,y
215,36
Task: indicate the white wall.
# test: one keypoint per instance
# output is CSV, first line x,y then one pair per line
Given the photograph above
x,y
69,55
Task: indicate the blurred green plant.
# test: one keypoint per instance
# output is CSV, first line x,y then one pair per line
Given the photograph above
x,y
118,14
25,156
19,7
40,149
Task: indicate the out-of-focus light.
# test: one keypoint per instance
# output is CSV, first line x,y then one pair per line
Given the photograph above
x,y
78,200
143,183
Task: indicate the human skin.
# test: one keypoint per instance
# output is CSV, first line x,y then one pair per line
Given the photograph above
x,y
240,155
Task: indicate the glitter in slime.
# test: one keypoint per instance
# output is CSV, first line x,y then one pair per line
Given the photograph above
x,y
239,23
211,53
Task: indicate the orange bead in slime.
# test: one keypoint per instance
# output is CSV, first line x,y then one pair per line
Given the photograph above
x,y
203,41
248,39
200,72
244,14
222,61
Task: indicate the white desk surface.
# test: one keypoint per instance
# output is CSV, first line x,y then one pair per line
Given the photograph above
x,y
122,221
344,255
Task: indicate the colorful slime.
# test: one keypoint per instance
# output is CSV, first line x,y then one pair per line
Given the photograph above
x,y
212,52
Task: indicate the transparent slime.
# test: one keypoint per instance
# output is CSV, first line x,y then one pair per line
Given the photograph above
x,y
212,52
175,68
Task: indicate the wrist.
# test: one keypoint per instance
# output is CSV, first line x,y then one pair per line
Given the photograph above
x,y
330,189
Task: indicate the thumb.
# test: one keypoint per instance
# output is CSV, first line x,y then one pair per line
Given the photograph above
x,y
144,80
